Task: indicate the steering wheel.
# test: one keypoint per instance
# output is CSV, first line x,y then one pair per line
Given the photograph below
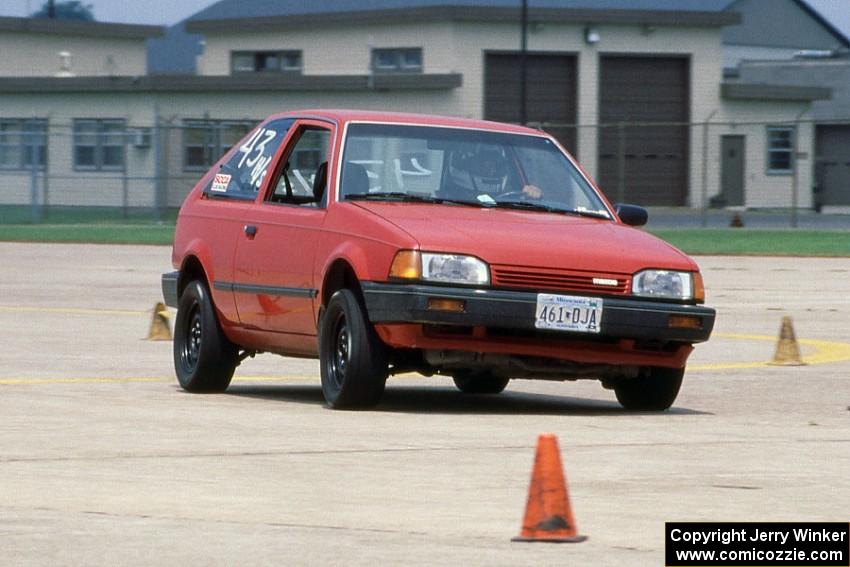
x,y
522,195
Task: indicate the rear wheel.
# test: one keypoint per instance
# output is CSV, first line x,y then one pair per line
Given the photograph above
x,y
204,359
353,360
481,382
654,391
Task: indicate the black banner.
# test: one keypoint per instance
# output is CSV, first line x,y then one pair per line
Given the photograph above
x,y
757,544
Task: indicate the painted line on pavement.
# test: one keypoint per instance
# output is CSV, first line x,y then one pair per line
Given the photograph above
x,y
72,311
825,352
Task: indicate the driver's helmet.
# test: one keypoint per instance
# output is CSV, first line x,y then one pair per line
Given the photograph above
x,y
481,170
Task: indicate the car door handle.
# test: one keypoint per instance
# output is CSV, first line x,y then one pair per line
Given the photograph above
x,y
250,231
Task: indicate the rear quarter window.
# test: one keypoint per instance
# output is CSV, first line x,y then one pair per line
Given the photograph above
x,y
241,176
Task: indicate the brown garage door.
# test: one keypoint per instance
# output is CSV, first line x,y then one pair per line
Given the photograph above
x,y
644,90
551,91
832,168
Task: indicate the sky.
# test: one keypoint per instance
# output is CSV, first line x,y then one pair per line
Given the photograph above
x,y
167,12
155,12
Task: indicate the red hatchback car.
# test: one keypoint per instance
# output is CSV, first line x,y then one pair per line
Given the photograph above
x,y
387,243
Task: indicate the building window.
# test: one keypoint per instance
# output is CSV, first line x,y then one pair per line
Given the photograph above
x,y
99,144
17,137
397,60
205,141
265,61
780,149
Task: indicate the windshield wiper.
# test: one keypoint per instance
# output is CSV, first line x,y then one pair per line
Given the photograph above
x,y
531,206
410,198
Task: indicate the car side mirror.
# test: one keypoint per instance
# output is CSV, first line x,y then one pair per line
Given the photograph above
x,y
631,215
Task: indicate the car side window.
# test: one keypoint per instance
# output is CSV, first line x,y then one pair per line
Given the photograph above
x,y
241,176
304,176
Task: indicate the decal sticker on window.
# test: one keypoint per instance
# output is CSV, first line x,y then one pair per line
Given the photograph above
x,y
220,182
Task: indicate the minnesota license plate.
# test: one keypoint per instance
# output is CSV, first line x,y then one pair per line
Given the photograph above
x,y
568,313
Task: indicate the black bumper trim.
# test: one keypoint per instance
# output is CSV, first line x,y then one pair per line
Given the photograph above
x,y
621,318
169,288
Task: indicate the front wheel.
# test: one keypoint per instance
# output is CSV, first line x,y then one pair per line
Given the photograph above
x,y
204,358
654,391
353,360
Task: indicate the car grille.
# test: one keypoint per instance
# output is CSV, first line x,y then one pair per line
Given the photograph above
x,y
559,280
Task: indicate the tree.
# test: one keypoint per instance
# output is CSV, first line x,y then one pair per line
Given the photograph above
x,y
68,10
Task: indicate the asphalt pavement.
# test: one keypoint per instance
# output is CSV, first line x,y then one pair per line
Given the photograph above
x,y
105,461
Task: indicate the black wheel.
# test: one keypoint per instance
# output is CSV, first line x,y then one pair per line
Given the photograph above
x,y
481,382
353,359
204,358
655,391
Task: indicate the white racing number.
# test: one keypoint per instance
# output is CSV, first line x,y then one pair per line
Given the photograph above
x,y
254,155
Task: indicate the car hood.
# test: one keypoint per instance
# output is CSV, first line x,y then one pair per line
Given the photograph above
x,y
531,238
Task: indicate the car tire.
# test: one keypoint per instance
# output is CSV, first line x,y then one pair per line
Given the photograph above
x,y
204,358
353,360
655,391
479,382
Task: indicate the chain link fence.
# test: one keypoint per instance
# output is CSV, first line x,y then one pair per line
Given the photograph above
x,y
696,174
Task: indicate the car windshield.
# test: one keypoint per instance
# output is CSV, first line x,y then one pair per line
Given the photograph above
x,y
426,164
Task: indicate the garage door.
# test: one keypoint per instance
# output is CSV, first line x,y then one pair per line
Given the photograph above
x,y
644,90
551,91
832,169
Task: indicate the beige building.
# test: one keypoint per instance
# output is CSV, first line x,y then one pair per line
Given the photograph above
x,y
55,48
626,90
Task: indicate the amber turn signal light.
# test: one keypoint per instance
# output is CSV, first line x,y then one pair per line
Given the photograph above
x,y
684,322
406,265
699,288
441,304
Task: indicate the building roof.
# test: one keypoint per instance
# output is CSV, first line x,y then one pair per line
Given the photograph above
x,y
228,83
813,9
79,28
225,14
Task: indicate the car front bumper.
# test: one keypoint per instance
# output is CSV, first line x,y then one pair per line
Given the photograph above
x,y
169,288
622,318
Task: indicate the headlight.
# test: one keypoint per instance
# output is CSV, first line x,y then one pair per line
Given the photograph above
x,y
443,268
664,284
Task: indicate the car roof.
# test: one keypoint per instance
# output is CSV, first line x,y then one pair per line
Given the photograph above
x,y
343,116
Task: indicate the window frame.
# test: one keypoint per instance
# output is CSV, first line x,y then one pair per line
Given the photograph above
x,y
399,56
254,54
101,134
791,151
23,129
297,131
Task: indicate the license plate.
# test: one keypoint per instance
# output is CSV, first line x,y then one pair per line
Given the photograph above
x,y
568,313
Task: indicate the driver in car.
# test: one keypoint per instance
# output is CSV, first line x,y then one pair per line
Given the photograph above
x,y
484,171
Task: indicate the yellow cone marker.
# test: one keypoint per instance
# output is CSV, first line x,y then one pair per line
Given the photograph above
x,y
787,349
160,329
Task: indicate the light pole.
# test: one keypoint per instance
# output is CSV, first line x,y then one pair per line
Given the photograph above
x,y
523,65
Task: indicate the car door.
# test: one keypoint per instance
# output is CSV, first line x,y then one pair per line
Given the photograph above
x,y
230,191
275,286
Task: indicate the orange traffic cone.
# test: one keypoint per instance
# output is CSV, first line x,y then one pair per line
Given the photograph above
x,y
548,515
787,349
159,329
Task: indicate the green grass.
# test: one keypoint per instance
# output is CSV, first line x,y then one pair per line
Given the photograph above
x,y
759,242
110,227
89,233
22,214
